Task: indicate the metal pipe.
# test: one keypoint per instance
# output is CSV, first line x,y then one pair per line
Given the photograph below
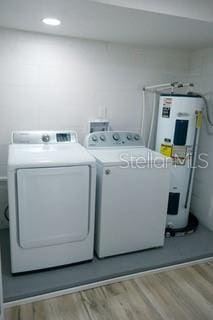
x,y
143,114
157,86
152,120
188,84
3,178
193,163
167,86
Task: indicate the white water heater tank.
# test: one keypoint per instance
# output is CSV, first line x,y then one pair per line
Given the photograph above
x,y
178,129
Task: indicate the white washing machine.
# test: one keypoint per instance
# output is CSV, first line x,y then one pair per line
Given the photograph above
x,y
51,185
131,195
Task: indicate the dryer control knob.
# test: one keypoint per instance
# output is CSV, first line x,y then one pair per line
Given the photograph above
x,y
45,138
102,137
94,138
116,137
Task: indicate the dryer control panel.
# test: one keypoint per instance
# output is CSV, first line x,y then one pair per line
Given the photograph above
x,y
44,137
113,139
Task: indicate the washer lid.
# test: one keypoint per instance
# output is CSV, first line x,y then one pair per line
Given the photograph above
x,y
50,155
122,157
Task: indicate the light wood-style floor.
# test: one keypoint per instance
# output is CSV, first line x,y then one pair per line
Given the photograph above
x,y
180,294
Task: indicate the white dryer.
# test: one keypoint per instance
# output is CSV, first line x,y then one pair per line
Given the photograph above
x,y
51,185
131,195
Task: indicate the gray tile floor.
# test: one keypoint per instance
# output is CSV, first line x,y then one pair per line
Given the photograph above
x,y
176,250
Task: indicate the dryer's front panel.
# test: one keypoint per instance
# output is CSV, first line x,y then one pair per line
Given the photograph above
x,y
53,205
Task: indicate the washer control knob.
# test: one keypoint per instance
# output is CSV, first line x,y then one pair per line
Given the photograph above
x,y
116,137
45,138
94,138
129,137
102,137
137,137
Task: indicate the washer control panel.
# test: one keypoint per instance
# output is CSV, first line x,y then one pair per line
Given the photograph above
x,y
44,137
113,139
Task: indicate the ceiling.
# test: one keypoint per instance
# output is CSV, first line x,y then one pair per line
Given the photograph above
x,y
193,9
100,21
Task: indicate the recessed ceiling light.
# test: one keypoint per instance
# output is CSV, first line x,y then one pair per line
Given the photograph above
x,y
51,21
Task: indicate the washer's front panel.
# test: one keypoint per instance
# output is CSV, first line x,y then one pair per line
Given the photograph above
x,y
131,209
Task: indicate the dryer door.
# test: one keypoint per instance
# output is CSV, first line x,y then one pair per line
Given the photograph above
x,y
53,205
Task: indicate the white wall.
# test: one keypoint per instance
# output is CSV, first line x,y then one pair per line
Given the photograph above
x,y
49,82
201,73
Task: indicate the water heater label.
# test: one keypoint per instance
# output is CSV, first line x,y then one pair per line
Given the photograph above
x,y
166,150
166,112
167,103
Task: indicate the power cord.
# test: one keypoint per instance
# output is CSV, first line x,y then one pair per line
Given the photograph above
x,y
6,213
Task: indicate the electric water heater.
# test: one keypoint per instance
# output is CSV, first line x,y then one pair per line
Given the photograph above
x,y
178,129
